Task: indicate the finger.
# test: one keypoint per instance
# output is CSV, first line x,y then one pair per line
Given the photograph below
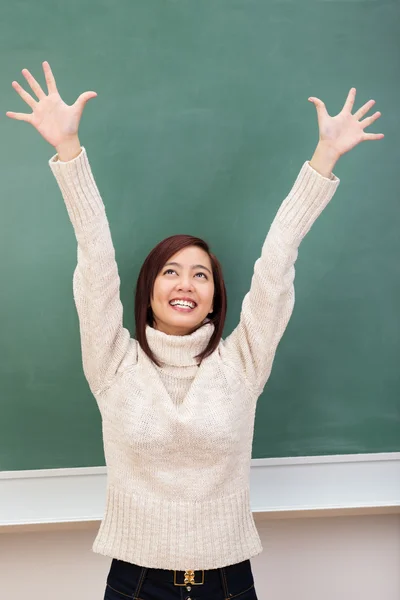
x,y
369,120
35,87
19,116
83,98
320,106
348,105
364,109
373,136
24,95
50,81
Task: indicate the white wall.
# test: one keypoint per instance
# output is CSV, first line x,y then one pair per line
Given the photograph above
x,y
337,558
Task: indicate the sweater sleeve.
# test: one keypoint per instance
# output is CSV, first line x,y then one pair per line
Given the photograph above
x,y
267,307
96,282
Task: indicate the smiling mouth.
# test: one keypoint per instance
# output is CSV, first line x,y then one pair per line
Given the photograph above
x,y
183,305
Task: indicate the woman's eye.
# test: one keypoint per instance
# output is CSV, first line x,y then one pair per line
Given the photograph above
x,y
173,272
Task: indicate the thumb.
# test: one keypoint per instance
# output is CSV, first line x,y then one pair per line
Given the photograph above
x,y
83,98
320,106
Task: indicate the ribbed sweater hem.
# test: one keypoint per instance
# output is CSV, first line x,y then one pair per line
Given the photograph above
x,y
165,534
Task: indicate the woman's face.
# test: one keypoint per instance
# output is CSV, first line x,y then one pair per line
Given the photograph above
x,y
183,292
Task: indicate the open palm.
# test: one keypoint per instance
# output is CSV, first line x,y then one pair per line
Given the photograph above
x,y
345,130
55,120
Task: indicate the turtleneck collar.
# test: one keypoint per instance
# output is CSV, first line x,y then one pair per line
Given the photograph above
x,y
179,350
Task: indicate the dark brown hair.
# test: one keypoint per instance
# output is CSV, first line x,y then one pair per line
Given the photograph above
x,y
151,267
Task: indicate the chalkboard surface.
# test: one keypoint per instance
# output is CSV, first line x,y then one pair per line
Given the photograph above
x,y
200,126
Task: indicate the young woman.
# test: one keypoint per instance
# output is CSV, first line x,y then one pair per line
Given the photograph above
x,y
178,403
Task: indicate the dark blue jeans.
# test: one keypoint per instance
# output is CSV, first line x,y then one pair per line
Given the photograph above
x,y
126,580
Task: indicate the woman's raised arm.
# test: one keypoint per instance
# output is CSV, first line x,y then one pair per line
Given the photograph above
x,y
96,283
268,306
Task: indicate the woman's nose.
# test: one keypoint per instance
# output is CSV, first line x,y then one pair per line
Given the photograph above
x,y
185,283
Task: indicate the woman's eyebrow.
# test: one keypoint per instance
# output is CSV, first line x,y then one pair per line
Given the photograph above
x,y
175,264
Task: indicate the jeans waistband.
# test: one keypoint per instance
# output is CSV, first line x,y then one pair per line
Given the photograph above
x,y
129,578
181,577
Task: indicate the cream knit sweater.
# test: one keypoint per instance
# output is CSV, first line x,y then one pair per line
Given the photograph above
x,y
178,438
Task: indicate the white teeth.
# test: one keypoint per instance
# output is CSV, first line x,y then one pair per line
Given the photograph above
x,y
182,303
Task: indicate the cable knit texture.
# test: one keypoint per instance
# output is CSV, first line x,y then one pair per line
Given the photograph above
x,y
178,438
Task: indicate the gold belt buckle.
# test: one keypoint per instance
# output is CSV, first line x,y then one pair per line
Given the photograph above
x,y
189,578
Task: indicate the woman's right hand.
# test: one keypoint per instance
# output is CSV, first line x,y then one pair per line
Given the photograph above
x,y
56,121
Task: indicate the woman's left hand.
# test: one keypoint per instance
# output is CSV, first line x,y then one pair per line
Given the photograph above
x,y
339,134
346,130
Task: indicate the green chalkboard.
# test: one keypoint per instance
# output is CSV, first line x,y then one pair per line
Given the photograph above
x,y
200,126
